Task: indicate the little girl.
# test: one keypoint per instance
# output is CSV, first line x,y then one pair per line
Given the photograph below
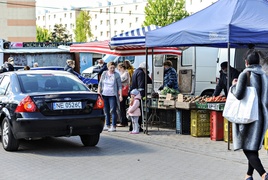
x,y
134,110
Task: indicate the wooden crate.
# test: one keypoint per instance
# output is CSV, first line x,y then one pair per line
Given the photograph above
x,y
185,105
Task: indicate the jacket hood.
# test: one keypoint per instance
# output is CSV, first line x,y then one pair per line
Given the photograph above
x,y
256,68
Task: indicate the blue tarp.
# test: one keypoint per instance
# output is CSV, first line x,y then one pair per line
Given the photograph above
x,y
135,37
238,22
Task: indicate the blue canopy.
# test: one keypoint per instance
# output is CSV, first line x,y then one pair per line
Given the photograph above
x,y
233,22
134,37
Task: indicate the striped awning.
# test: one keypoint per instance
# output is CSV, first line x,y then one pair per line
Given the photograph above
x,y
102,47
134,37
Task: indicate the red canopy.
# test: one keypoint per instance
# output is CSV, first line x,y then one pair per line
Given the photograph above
x,y
102,47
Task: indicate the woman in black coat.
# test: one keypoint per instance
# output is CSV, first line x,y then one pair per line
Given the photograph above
x,y
249,137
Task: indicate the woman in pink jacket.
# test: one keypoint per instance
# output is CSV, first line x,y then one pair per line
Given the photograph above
x,y
134,110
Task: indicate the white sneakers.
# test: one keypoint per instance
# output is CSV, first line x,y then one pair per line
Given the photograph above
x,y
109,128
106,128
112,129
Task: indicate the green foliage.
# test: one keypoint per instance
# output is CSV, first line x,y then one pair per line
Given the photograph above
x,y
168,90
60,34
82,31
164,12
42,35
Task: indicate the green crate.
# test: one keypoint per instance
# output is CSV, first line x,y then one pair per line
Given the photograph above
x,y
201,105
200,123
216,106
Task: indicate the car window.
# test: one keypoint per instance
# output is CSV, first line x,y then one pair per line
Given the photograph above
x,y
4,85
49,82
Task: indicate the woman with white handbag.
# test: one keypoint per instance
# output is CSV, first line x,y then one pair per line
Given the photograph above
x,y
249,137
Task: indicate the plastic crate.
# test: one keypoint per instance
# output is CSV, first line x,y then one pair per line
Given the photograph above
x,y
216,106
216,126
200,123
266,140
225,133
183,119
201,105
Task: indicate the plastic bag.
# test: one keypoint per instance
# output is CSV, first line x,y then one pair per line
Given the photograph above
x,y
242,111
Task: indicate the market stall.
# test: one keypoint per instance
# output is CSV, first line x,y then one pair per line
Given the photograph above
x,y
234,29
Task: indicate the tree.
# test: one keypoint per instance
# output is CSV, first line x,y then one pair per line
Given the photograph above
x,y
164,12
82,31
60,34
42,35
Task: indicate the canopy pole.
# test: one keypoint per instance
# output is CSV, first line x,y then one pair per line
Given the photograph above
x,y
145,89
228,87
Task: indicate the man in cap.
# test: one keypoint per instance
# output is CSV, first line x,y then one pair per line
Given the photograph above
x,y
9,64
222,83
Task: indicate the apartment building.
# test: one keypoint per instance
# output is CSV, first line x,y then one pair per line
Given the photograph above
x,y
17,22
106,21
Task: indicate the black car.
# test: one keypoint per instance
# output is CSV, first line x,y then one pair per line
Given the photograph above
x,y
46,103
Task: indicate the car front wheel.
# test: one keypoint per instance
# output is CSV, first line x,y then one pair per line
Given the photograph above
x,y
8,141
90,140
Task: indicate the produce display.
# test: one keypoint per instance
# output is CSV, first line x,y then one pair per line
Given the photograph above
x,y
168,90
216,99
194,99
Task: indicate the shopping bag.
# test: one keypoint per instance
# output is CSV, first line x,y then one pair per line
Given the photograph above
x,y
242,111
125,90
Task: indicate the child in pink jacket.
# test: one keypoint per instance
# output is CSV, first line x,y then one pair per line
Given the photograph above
x,y
134,110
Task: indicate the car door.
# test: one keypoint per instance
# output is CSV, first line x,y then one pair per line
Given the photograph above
x,y
4,84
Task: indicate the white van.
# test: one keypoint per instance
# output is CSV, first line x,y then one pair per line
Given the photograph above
x,y
135,61
196,70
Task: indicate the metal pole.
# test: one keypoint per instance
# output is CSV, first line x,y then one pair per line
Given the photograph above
x,y
228,86
145,89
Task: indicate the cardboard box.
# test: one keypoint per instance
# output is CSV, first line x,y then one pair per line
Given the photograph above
x,y
185,105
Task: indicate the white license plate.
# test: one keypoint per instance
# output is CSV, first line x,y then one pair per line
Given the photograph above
x,y
67,105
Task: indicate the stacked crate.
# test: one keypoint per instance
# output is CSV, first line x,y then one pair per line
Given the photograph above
x,y
216,126
200,123
183,121
225,133
166,102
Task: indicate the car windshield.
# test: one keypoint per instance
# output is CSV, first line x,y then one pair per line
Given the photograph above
x,y
49,82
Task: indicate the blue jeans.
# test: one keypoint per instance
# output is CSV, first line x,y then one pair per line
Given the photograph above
x,y
110,109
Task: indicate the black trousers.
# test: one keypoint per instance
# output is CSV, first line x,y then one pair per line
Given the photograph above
x,y
254,162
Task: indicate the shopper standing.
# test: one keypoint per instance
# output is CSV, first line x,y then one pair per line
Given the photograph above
x,y
110,87
249,137
125,79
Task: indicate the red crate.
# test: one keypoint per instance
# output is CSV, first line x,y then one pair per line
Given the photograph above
x,y
216,126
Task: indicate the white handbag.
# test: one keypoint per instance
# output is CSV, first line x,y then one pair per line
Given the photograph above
x,y
242,111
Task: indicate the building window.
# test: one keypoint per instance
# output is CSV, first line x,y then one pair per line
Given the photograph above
x,y
107,33
107,22
121,9
191,2
129,13
130,24
54,16
115,32
60,19
136,7
115,21
49,17
122,31
115,10
64,15
101,33
65,25
100,11
107,10
137,19
122,21
71,15
100,22
96,27
96,16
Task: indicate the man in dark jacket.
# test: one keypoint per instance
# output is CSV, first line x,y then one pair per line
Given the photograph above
x,y
101,67
138,82
222,84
